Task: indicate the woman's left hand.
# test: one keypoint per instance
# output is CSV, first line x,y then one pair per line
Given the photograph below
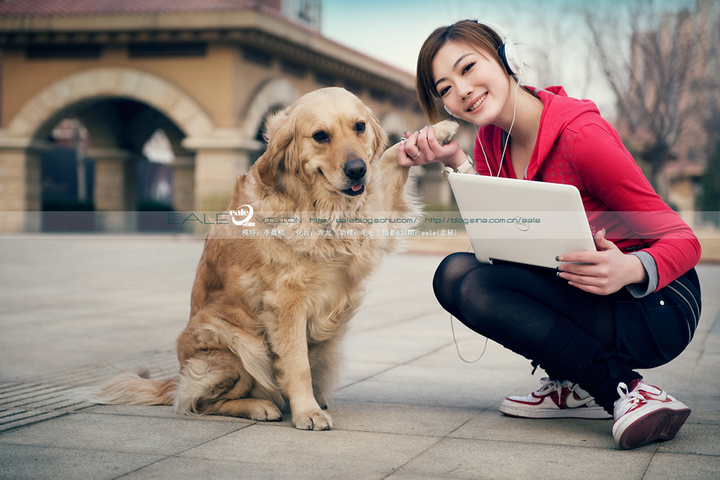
x,y
603,272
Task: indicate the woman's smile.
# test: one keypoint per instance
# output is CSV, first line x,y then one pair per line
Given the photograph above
x,y
477,103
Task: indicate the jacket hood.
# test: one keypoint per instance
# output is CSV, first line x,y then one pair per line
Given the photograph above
x,y
559,111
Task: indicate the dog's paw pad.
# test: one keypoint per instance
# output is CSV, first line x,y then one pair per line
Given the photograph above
x,y
267,414
445,131
317,420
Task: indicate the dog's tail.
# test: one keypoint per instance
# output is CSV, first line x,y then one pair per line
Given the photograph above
x,y
134,388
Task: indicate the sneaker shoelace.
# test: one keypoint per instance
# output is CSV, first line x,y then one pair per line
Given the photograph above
x,y
549,386
628,400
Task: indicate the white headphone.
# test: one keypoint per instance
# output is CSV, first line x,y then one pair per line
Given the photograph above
x,y
508,53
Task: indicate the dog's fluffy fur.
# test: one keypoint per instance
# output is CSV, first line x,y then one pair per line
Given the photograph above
x,y
268,313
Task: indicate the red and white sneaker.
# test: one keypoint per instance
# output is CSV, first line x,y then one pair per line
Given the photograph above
x,y
554,399
645,414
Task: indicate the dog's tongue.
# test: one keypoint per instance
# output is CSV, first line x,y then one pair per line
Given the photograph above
x,y
355,188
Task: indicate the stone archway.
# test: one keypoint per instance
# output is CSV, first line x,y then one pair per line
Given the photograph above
x,y
23,140
113,82
277,91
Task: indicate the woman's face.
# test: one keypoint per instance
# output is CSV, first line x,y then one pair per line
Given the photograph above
x,y
472,85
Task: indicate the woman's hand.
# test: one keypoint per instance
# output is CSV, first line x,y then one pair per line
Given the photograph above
x,y
422,148
603,272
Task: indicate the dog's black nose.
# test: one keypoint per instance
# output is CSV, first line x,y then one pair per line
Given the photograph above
x,y
355,169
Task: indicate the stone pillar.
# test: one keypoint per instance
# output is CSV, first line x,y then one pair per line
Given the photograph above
x,y
114,190
183,180
215,174
219,159
20,189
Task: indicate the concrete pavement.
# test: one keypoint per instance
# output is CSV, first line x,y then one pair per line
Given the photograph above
x,y
74,309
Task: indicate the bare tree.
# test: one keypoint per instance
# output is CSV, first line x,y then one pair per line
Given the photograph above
x,y
648,55
559,56
709,29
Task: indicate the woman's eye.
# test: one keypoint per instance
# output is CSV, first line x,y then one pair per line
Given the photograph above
x,y
443,91
321,136
360,127
468,67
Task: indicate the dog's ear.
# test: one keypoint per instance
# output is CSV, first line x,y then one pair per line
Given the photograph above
x,y
279,134
381,138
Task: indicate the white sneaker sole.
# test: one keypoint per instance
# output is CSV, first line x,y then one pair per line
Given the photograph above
x,y
513,409
658,423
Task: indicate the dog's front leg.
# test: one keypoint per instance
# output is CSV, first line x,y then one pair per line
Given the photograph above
x,y
289,342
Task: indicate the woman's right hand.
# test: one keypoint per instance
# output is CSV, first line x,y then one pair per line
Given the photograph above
x,y
422,148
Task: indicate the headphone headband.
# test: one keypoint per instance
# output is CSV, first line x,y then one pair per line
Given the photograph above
x,y
508,52
494,27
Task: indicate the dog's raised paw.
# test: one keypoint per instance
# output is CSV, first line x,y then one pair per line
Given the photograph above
x,y
445,131
315,420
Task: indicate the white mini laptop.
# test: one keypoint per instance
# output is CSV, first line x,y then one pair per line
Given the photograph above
x,y
521,221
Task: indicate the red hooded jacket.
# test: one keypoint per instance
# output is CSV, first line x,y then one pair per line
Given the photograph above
x,y
576,146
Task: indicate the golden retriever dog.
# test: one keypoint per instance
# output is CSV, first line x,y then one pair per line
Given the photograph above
x,y
271,302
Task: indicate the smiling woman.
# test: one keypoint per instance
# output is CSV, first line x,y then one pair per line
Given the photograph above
x,y
594,318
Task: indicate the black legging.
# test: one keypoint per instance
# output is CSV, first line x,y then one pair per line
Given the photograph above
x,y
589,339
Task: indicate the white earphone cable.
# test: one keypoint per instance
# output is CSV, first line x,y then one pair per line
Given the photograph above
x,y
512,124
502,159
457,348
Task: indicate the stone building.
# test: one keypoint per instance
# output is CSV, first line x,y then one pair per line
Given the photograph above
x,y
175,90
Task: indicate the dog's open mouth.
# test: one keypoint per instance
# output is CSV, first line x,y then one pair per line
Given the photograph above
x,y
355,190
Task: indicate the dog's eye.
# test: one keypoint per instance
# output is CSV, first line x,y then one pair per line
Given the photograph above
x,y
360,127
321,136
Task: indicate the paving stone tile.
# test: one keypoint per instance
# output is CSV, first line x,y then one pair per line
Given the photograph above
x,y
401,419
188,467
37,463
121,433
494,426
686,467
499,460
345,451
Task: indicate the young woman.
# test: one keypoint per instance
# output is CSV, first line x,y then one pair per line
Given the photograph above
x,y
632,304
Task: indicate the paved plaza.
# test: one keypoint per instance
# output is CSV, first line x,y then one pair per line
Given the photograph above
x,y
75,309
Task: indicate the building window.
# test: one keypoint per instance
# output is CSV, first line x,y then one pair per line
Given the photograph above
x,y
306,12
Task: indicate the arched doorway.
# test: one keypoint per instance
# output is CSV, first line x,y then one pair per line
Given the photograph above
x,y
260,134
107,159
67,179
120,108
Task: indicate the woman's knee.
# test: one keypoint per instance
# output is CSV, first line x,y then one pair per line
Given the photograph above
x,y
455,266
477,287
449,272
